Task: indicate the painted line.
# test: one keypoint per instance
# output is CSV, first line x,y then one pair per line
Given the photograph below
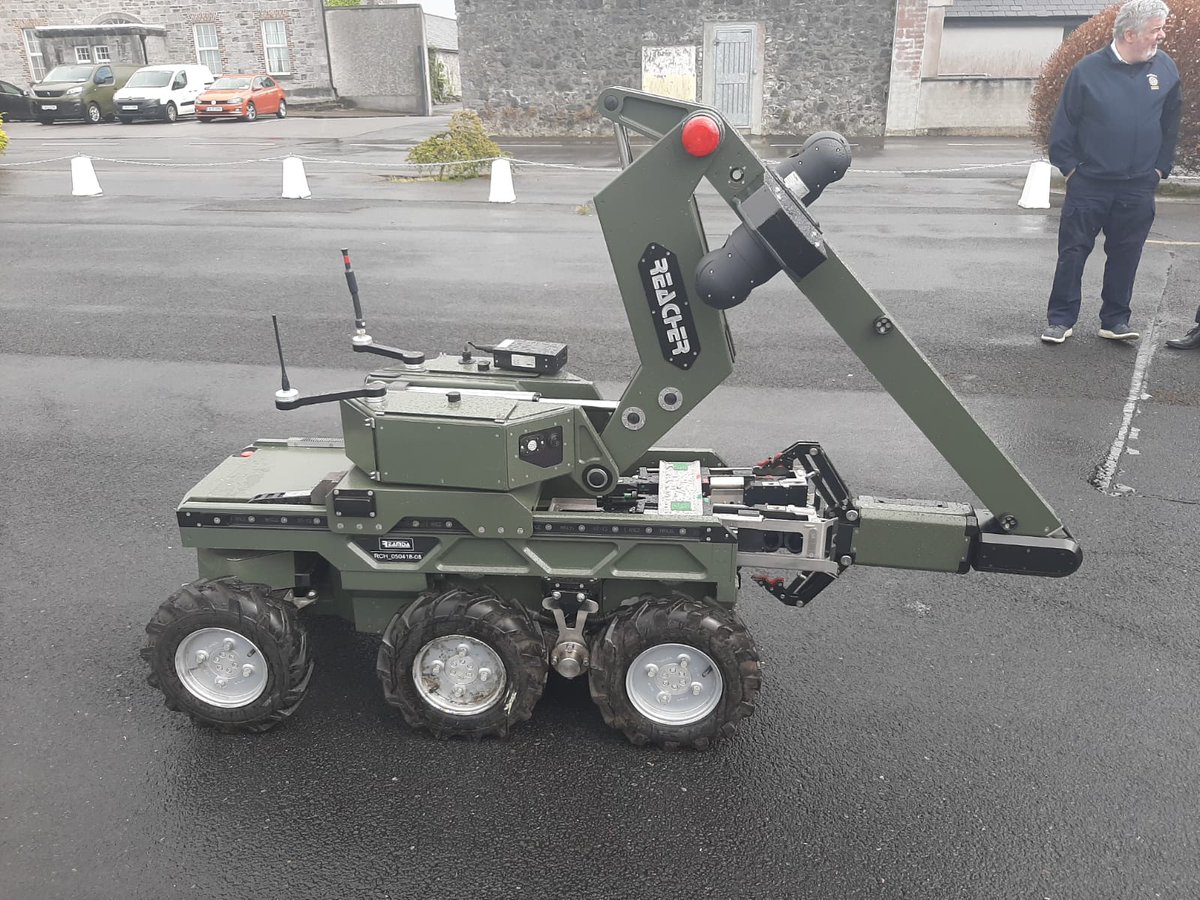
x,y
1104,475
1176,243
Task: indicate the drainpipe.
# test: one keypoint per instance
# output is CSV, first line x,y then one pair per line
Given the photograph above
x,y
325,37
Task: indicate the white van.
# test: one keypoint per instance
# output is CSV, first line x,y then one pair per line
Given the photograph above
x,y
161,92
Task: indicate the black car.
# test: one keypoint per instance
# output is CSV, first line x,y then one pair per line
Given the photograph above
x,y
15,104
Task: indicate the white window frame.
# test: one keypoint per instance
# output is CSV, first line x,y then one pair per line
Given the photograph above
x,y
214,49
33,52
268,46
83,54
100,54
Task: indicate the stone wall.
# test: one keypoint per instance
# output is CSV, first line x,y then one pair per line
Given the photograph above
x,y
379,59
239,31
533,68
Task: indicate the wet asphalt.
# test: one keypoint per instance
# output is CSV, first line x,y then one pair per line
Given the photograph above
x,y
918,735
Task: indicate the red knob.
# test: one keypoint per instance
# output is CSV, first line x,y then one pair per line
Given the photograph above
x,y
701,135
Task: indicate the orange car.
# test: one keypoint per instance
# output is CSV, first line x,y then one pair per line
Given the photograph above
x,y
241,97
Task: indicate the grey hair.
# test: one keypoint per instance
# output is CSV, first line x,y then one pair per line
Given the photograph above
x,y
1135,14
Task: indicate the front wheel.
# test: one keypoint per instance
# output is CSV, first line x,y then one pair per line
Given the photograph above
x,y
463,662
170,113
675,672
281,113
229,655
251,112
94,115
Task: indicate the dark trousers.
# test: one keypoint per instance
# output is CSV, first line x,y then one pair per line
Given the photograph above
x,y
1124,211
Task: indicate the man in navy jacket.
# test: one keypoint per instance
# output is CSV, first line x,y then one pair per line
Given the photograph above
x,y
1113,137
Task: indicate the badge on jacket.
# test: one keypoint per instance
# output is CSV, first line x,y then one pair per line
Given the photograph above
x,y
1153,79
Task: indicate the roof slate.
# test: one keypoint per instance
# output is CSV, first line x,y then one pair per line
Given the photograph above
x,y
1023,9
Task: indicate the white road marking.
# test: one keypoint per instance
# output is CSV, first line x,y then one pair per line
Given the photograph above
x,y
1136,395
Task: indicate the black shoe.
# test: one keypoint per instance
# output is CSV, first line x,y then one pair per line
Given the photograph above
x,y
1190,341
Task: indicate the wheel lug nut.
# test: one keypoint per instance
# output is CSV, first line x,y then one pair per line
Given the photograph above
x,y
664,698
651,670
459,690
437,667
684,659
247,670
228,644
697,687
462,649
485,674
220,682
201,657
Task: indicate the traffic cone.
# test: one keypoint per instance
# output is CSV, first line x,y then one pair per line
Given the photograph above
x,y
1037,187
295,182
502,183
83,178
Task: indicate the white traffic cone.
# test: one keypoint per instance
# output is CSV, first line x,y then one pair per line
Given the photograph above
x,y
502,183
295,182
83,178
1037,187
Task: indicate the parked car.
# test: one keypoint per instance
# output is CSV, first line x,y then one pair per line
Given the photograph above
x,y
84,91
241,97
15,104
162,92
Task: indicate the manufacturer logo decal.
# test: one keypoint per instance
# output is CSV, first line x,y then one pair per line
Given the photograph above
x,y
1153,79
397,549
662,280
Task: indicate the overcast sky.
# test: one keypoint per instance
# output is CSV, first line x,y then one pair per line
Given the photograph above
x,y
439,8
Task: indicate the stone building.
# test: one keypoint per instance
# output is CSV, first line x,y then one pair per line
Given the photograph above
x,y
771,66
283,37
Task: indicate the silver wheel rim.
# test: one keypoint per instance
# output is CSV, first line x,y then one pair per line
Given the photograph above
x,y
221,667
674,684
282,109
459,675
251,112
94,113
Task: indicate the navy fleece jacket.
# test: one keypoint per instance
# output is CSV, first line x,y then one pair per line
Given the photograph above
x,y
1116,121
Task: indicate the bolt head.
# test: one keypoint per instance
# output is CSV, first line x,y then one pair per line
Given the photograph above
x,y
220,682
201,657
651,670
227,644
247,670
485,673
664,698
697,687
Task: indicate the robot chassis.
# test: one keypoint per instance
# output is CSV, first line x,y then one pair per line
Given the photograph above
x,y
492,517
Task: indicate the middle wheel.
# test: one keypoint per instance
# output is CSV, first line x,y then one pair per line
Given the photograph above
x,y
463,662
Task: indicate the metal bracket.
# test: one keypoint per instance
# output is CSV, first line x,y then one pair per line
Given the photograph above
x,y
570,656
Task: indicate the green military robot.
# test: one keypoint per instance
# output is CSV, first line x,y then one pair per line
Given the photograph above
x,y
492,517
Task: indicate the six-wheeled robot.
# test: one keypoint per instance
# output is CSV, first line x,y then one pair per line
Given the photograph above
x,y
492,517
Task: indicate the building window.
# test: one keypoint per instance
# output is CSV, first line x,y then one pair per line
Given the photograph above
x,y
83,54
100,54
208,53
275,43
33,50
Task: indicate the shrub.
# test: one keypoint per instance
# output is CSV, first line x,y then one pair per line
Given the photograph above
x,y
1183,43
461,152
340,3
3,136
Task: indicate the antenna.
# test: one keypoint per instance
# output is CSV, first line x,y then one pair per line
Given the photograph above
x,y
360,324
363,342
286,392
287,397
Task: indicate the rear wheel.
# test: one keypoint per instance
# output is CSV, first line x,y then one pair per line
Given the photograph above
x,y
281,113
170,113
229,655
463,662
251,112
92,114
675,672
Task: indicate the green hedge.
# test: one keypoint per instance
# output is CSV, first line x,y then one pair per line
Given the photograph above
x,y
456,153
